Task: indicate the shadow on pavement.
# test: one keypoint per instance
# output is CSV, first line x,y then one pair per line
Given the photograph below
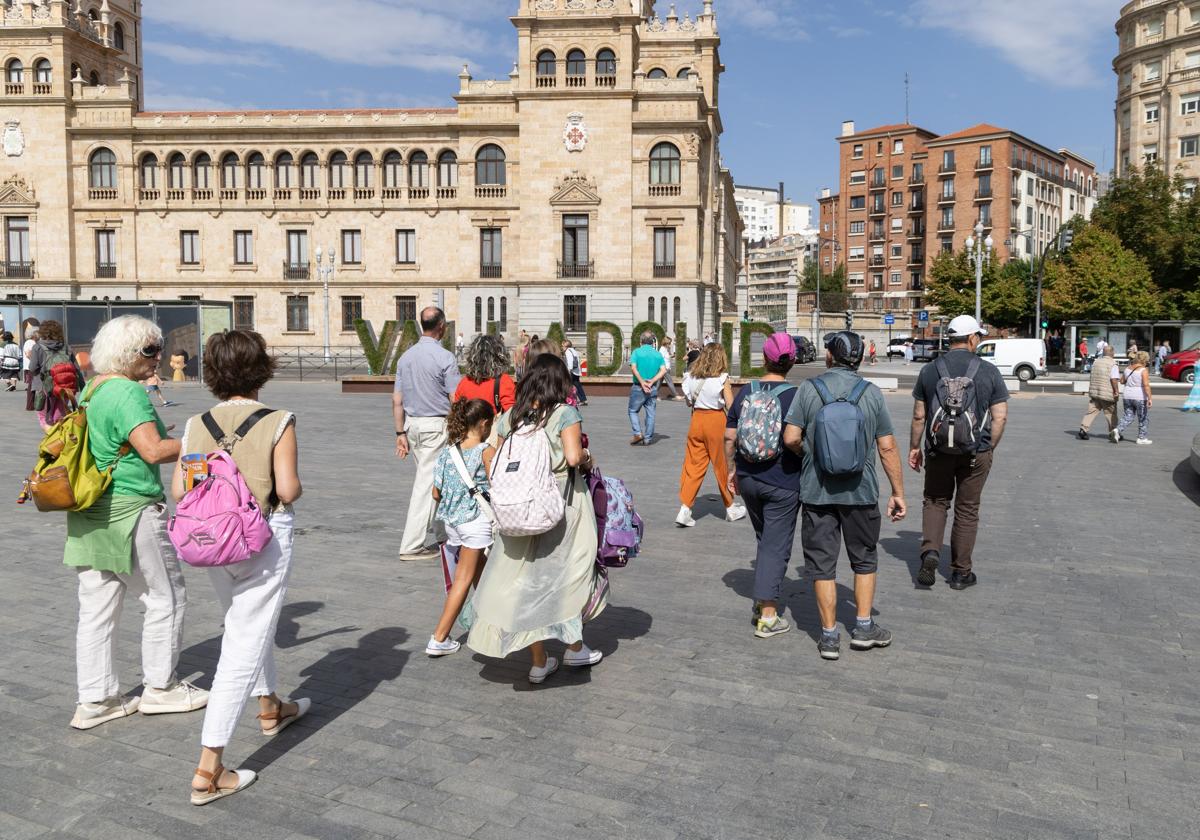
x,y
1187,481
288,633
906,546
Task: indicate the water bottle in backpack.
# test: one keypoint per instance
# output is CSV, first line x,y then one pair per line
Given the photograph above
x,y
952,425
760,425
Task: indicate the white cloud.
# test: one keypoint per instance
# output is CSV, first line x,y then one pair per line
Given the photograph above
x,y
773,18
1050,40
433,35
161,98
180,54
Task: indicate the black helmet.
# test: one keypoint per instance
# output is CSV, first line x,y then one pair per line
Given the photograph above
x,y
847,348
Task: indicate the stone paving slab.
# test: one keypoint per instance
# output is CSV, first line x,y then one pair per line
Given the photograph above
x,y
1059,699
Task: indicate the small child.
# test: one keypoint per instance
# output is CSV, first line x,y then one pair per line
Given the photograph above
x,y
468,522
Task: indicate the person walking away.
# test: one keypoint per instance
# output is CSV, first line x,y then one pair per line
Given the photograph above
x,y
693,352
707,390
153,386
957,456
10,361
485,374
874,358
1160,356
575,366
520,352
54,375
1103,391
648,370
1083,356
908,352
459,484
426,376
251,593
767,474
668,356
30,331
534,588
840,488
119,545
1137,399
459,343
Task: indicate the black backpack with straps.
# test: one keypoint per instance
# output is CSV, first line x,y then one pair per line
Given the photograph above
x,y
953,424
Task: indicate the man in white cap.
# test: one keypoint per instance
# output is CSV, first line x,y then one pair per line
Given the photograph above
x,y
958,419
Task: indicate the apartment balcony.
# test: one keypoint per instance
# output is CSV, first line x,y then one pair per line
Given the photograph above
x,y
665,189
42,88
664,269
916,232
547,81
916,178
946,199
17,270
310,194
102,194
418,193
14,88
230,195
944,225
916,207
176,195
296,270
364,194
106,271
916,258
947,168
336,193
878,210
982,165
257,194
576,270
490,190
148,195
876,261
606,80
576,81
283,194
393,193
878,235
202,195
878,184
490,271
917,285
983,195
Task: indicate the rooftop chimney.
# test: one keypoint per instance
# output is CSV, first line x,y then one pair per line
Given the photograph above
x,y
847,128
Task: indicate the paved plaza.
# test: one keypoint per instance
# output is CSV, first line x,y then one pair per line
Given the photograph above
x,y
1058,699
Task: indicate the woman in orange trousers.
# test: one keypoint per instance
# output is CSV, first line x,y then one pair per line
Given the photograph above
x,y
707,390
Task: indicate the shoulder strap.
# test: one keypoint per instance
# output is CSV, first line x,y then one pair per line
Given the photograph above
x,y
218,434
973,367
780,390
460,464
941,367
496,394
252,421
822,390
859,390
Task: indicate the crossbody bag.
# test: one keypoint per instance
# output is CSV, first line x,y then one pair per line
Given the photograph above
x,y
481,496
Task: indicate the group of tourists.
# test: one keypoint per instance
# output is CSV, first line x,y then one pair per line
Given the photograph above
x,y
1109,386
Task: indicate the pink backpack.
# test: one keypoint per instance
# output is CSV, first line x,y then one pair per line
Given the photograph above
x,y
525,496
218,522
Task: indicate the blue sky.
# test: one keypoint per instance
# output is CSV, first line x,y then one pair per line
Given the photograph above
x,y
794,68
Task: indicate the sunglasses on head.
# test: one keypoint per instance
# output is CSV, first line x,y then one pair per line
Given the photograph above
x,y
151,351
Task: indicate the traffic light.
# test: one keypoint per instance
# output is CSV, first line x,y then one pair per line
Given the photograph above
x,y
849,319
1045,323
1065,237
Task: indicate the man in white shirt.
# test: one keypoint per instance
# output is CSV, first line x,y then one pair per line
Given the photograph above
x,y
575,368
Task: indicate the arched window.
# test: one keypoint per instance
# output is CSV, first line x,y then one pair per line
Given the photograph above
x,y
119,36
503,314
93,16
16,72
202,172
102,170
94,78
309,171
393,167
447,169
650,308
606,63
546,63
418,171
339,175
664,164
230,179
42,74
478,314
149,172
256,171
489,166
576,63
656,73
678,310
364,171
285,177
176,167
683,72
662,313
491,309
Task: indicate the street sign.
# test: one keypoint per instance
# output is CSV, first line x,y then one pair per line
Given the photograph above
x,y
922,316
889,319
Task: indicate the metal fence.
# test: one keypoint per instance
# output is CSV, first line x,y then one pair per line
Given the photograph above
x,y
299,364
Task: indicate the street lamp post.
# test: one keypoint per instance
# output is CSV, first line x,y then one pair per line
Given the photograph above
x,y
979,250
326,273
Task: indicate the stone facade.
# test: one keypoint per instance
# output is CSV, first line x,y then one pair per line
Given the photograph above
x,y
585,184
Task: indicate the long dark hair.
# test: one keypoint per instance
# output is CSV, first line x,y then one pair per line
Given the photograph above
x,y
545,385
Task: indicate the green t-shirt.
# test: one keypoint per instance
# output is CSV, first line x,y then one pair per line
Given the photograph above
x,y
647,361
863,488
118,407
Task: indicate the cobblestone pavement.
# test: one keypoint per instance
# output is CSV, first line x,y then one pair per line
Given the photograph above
x,y
1058,699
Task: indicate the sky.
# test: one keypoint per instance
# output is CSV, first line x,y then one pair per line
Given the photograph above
x,y
795,69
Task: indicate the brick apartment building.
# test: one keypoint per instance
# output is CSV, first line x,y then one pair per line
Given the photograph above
x,y
906,193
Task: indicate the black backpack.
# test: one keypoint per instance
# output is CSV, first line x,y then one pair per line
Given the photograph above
x,y
952,424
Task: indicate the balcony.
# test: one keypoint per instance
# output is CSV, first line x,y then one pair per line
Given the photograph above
x,y
664,269
916,258
945,225
14,88
102,194
983,195
106,271
579,270
916,207
576,81
878,235
230,195
490,191
876,261
17,270
148,195
363,194
42,88
336,193
283,194
176,195
947,168
917,285
310,194
916,231
946,199
665,189
418,193
257,194
547,81
202,195
878,183
447,192
296,270
917,178
878,210
606,80
982,165
490,271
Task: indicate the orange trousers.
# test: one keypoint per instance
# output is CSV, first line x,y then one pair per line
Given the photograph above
x,y
705,445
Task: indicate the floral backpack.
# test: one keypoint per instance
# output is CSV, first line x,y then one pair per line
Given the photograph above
x,y
617,523
760,427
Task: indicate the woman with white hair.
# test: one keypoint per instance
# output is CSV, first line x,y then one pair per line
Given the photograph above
x,y
120,544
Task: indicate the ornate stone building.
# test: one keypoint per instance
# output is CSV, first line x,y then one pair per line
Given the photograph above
x,y
585,186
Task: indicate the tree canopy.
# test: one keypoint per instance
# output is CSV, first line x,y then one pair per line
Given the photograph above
x,y
1100,279
1006,295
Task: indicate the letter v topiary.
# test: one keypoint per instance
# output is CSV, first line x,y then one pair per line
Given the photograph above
x,y
377,352
594,329
409,335
556,334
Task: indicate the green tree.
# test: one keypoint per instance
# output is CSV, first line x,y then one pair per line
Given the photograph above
x,y
1100,279
833,285
950,285
1007,298
1008,295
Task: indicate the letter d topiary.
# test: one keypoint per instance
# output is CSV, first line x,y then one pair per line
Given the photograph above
x,y
749,370
594,329
635,338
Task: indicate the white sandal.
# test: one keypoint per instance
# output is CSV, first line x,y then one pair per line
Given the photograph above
x,y
214,792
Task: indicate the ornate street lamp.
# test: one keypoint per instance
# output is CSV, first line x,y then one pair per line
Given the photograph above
x,y
326,274
979,251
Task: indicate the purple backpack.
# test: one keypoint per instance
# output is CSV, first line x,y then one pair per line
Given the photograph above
x,y
218,522
618,525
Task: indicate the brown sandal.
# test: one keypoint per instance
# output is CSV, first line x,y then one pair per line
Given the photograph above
x,y
214,792
282,723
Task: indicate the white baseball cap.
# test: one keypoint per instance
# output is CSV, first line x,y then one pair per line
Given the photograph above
x,y
964,325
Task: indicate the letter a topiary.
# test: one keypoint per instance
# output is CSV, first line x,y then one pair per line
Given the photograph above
x,y
409,335
377,352
556,334
749,370
594,329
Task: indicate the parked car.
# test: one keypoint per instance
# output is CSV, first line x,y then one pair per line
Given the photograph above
x,y
927,349
896,347
806,351
1024,358
1181,366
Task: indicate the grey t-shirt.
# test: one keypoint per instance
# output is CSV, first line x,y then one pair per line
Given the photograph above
x,y
989,388
816,488
426,376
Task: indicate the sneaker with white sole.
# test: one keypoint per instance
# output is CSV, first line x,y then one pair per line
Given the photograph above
x,y
1115,436
774,626
436,648
735,512
182,696
581,658
89,715
538,675
1144,441
684,519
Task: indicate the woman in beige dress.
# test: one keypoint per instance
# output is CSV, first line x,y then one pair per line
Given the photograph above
x,y
535,588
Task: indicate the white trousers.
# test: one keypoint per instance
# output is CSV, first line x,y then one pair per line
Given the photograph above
x,y
251,595
157,580
426,439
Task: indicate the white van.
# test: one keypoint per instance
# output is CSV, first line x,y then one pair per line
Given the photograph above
x,y
1024,358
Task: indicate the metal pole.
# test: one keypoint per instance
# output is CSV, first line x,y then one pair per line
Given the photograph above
x,y
979,282
325,272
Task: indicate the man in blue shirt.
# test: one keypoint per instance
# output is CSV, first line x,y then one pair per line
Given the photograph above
x,y
845,508
648,370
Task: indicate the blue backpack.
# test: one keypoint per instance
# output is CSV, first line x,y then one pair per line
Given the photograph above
x,y
839,439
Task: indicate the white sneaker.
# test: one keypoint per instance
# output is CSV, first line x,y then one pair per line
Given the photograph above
x,y
735,512
538,675
1114,436
436,648
1144,441
684,519
89,715
581,658
180,697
